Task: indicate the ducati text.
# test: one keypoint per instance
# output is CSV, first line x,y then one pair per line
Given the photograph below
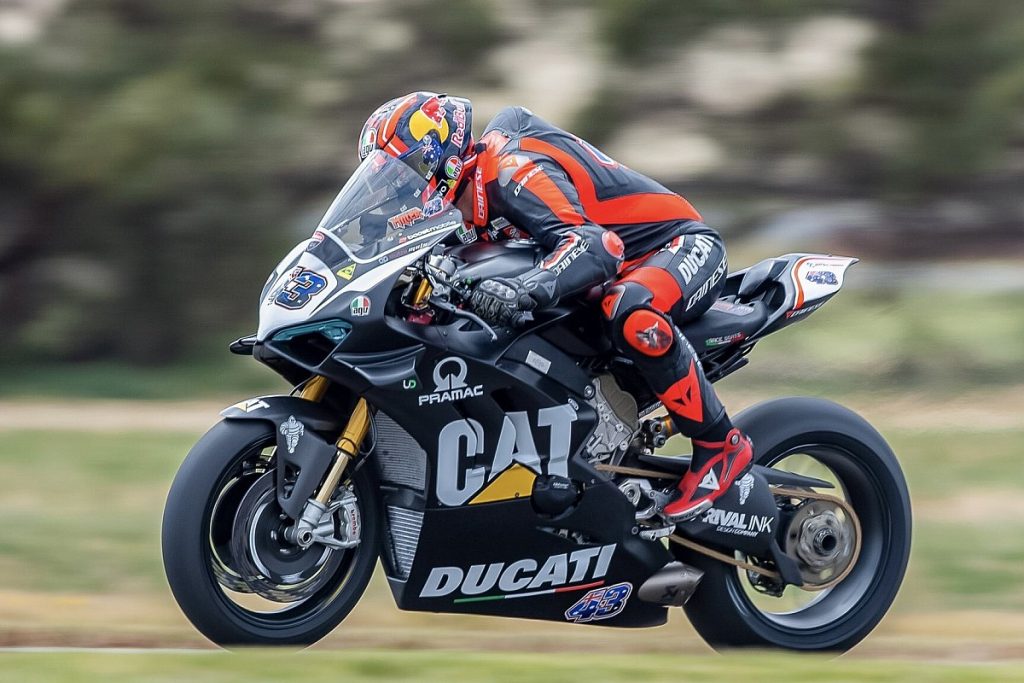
x,y
586,564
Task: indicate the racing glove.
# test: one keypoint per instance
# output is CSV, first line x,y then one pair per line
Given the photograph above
x,y
500,300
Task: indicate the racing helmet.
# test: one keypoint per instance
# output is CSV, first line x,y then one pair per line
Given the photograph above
x,y
430,132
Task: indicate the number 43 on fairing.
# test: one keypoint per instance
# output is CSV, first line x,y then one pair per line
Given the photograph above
x,y
601,603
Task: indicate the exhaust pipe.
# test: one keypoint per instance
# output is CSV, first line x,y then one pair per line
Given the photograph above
x,y
672,586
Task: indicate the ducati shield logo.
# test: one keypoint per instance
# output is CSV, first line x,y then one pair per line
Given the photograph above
x,y
293,431
450,383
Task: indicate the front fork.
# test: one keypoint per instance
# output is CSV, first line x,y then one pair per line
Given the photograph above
x,y
303,533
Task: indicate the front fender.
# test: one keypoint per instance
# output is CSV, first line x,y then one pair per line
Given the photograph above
x,y
303,454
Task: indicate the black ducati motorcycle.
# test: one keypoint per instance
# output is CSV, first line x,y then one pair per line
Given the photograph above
x,y
515,471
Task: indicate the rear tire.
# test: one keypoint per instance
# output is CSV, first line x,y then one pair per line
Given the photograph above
x,y
188,548
721,609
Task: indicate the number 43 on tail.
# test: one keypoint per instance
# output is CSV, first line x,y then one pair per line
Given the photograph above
x,y
600,603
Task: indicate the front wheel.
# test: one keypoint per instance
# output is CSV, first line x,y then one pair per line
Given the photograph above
x,y
817,438
228,565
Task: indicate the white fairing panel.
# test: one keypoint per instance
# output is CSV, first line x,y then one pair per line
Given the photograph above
x,y
274,315
817,277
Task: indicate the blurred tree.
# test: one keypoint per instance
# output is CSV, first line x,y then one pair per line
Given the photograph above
x,y
639,31
156,158
953,72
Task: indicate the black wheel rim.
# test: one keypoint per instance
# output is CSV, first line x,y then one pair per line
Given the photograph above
x,y
258,612
831,607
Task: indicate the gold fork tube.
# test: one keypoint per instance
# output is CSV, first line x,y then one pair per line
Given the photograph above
x,y
422,293
348,446
315,388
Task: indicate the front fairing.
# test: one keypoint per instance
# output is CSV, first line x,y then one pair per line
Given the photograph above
x,y
376,227
320,281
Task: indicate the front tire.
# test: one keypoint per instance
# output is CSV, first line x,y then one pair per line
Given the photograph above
x,y
196,544
724,610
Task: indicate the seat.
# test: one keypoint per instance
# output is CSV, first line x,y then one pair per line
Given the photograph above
x,y
755,278
725,324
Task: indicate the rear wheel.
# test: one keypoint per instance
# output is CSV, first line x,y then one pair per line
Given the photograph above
x,y
232,572
732,608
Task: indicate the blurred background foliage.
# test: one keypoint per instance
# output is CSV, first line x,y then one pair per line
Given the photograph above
x,y
157,158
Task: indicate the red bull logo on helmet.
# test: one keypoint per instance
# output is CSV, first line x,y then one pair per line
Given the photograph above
x,y
429,117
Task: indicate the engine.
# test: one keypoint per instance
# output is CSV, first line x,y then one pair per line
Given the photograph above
x,y
618,421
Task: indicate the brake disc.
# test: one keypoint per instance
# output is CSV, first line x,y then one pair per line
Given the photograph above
x,y
270,566
823,537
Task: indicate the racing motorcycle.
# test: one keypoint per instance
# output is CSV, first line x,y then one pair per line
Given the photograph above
x,y
515,471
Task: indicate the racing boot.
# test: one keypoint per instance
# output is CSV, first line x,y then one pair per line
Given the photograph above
x,y
710,476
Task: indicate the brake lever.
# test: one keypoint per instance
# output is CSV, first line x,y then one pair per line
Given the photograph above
x,y
463,313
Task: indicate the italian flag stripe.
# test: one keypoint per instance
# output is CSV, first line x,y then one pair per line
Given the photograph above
x,y
530,594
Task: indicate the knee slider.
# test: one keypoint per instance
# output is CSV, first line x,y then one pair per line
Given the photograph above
x,y
648,331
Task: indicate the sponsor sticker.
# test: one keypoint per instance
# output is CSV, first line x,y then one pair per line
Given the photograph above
x,y
434,206
731,308
697,257
252,405
459,116
360,306
453,167
480,198
315,241
302,286
745,484
538,362
466,233
712,342
450,383
347,272
821,277
739,523
526,178
805,310
562,573
708,284
459,442
600,603
292,430
405,218
368,142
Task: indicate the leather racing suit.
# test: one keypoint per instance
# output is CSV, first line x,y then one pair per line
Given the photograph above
x,y
603,222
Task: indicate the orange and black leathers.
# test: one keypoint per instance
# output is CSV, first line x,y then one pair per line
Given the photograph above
x,y
593,215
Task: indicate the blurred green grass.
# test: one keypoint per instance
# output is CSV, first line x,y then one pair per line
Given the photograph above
x,y
457,666
213,376
82,514
894,340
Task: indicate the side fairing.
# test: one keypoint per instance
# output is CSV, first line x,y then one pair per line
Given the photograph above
x,y
461,441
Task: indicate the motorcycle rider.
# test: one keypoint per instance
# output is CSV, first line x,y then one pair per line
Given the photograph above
x,y
604,225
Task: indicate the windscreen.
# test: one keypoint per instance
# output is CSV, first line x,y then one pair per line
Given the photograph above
x,y
383,196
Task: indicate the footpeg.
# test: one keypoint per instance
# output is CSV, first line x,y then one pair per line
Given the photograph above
x,y
692,514
672,586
